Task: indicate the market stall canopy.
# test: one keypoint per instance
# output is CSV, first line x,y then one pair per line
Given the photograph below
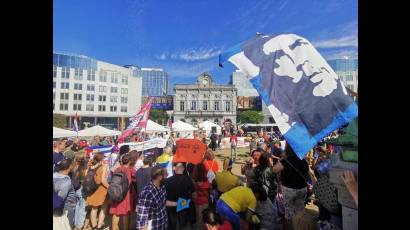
x,y
155,127
58,133
98,130
207,125
180,126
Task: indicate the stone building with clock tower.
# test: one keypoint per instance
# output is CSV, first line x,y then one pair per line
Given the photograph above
x,y
205,100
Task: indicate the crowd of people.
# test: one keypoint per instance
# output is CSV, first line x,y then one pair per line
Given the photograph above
x,y
148,188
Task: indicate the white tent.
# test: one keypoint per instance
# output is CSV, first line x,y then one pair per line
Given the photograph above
x,y
180,126
98,130
207,126
153,127
58,133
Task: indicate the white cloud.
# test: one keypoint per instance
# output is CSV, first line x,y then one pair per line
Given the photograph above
x,y
346,41
191,54
340,54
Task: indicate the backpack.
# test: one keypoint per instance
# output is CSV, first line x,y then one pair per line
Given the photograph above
x,y
118,187
267,180
89,183
58,204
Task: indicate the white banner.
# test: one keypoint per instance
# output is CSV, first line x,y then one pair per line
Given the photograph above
x,y
242,142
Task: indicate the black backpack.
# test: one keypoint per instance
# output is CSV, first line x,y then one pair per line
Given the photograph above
x,y
89,183
118,187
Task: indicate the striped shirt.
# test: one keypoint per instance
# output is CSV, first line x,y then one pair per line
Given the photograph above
x,y
152,208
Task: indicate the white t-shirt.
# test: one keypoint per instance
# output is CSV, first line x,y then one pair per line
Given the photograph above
x,y
139,164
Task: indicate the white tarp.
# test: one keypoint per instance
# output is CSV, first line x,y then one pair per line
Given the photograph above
x,y
207,126
98,130
180,126
58,133
155,127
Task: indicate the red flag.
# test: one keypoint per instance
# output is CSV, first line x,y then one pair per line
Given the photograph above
x,y
139,120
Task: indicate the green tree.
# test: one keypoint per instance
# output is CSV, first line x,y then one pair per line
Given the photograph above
x,y
251,116
59,120
158,115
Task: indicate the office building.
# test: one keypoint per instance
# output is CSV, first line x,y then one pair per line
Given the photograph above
x,y
205,100
347,70
154,82
99,92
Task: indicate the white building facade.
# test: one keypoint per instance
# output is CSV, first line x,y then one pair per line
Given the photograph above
x,y
98,92
205,100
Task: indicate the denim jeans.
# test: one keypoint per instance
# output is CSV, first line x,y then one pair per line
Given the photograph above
x,y
233,157
227,213
80,212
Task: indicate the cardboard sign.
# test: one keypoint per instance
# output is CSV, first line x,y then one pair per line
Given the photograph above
x,y
189,150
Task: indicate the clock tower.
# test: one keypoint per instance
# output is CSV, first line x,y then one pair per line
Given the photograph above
x,y
205,80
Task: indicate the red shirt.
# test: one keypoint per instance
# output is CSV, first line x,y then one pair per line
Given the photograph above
x,y
211,163
202,192
233,138
225,226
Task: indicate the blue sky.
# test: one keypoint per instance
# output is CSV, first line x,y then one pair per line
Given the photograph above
x,y
185,37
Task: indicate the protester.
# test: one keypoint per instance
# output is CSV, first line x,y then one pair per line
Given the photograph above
x,y
351,185
234,142
123,150
65,190
143,175
252,144
213,221
210,164
259,139
304,221
96,141
265,177
78,175
256,154
214,138
124,208
172,143
294,172
165,160
248,171
151,209
236,202
265,210
277,148
139,164
202,190
219,141
180,186
97,201
58,148
225,180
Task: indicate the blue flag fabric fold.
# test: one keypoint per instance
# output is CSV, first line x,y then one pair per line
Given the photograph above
x,y
304,95
182,204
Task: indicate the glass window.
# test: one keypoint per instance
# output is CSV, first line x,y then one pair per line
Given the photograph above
x,y
91,75
90,97
103,89
124,109
181,106
113,99
228,106
76,107
65,85
78,86
205,105
54,71
114,77
63,106
216,106
113,108
101,108
78,74
54,84
102,98
77,97
90,87
124,91
103,76
124,100
193,105
114,90
124,80
54,95
89,107
65,72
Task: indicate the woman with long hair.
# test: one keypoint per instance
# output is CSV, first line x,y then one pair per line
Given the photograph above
x,y
212,221
210,164
97,201
203,189
78,175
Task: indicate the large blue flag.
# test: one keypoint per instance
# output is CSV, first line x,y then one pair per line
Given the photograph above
x,y
304,95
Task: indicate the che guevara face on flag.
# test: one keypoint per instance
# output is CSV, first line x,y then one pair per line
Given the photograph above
x,y
303,93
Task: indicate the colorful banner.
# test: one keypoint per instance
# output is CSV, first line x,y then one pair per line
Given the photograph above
x,y
242,142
